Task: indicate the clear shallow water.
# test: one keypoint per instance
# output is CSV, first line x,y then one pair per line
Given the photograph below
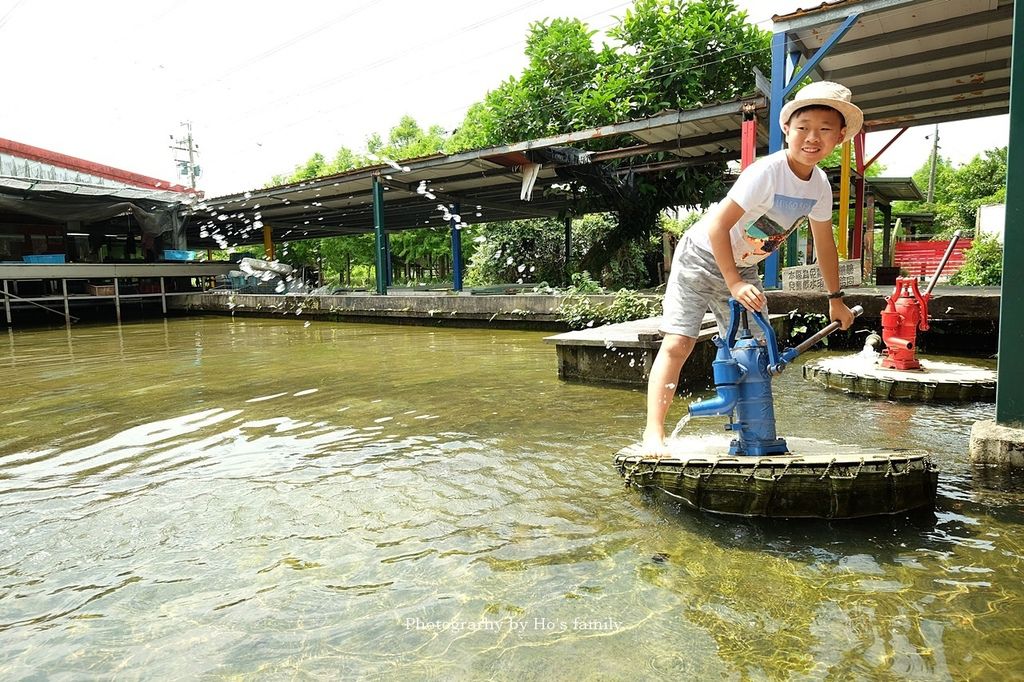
x,y
216,497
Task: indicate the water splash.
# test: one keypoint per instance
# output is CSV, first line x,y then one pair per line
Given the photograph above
x,y
868,354
681,425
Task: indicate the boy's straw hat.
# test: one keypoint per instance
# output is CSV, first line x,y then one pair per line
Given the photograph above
x,y
828,94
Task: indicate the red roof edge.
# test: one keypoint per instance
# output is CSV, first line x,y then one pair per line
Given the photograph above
x,y
27,151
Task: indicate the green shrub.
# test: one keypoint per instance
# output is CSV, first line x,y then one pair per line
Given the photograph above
x,y
583,283
983,264
579,312
630,305
803,324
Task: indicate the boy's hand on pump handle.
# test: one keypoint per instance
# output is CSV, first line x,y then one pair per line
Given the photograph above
x,y
753,299
840,312
749,296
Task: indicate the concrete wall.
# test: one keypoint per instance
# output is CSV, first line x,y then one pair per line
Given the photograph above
x,y
533,311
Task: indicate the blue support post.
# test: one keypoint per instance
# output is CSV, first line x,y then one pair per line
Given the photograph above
x,y
456,249
380,246
771,264
783,85
1010,367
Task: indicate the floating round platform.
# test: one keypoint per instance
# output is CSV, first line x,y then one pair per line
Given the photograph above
x,y
830,482
938,381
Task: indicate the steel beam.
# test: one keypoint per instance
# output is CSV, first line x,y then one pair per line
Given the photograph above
x,y
1010,367
456,248
380,247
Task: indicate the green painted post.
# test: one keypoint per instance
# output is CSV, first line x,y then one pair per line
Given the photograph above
x,y
380,264
1009,387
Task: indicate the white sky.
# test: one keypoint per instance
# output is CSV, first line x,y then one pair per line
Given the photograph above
x,y
267,83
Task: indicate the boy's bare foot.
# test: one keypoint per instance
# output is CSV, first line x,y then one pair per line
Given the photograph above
x,y
653,444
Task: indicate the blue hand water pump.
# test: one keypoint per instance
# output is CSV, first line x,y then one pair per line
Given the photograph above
x,y
743,371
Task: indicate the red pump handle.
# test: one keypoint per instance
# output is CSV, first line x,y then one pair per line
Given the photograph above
x,y
922,302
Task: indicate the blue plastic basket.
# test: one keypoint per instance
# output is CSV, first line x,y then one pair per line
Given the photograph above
x,y
45,258
179,255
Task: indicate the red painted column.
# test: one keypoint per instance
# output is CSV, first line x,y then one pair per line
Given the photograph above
x,y
857,249
748,137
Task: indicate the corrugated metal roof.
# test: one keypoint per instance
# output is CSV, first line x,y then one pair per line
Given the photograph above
x,y
801,12
908,62
895,189
18,159
913,62
487,183
13,185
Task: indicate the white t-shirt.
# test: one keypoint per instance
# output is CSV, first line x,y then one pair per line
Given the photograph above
x,y
775,202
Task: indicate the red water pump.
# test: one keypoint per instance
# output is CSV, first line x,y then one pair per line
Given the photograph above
x,y
905,312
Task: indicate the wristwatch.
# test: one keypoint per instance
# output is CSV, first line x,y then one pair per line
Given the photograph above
x,y
836,294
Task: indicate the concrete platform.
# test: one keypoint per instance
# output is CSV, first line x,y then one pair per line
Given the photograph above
x,y
623,353
935,381
997,445
826,480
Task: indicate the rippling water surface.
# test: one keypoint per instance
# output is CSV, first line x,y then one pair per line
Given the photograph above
x,y
224,497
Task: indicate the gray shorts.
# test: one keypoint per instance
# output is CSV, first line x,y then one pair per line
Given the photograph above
x,y
694,285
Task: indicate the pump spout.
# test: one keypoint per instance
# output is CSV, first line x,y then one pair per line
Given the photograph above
x,y
728,375
873,342
721,404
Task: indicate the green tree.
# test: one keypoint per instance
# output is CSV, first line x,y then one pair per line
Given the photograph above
x,y
669,54
980,181
350,259
960,191
524,251
983,264
407,140
533,251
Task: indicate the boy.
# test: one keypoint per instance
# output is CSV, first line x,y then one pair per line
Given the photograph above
x,y
717,258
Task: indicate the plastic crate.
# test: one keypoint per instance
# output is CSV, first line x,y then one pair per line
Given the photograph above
x,y
101,289
45,258
179,255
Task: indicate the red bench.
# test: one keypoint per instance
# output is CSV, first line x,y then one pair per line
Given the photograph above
x,y
922,258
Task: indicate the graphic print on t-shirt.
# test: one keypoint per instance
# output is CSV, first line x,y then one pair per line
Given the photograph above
x,y
786,214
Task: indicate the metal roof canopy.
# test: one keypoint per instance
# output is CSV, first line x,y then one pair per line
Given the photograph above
x,y
885,188
894,189
155,211
19,186
912,62
487,183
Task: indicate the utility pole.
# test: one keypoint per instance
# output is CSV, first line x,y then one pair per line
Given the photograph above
x,y
187,145
935,156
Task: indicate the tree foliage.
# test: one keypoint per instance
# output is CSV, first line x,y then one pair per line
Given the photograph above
x,y
664,54
983,264
419,254
960,191
668,54
533,251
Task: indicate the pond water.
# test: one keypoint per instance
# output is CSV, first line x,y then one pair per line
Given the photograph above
x,y
225,497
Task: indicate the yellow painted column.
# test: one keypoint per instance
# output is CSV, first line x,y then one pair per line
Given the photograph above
x,y
844,201
268,242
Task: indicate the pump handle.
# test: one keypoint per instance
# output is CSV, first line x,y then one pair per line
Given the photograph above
x,y
942,263
787,356
825,331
